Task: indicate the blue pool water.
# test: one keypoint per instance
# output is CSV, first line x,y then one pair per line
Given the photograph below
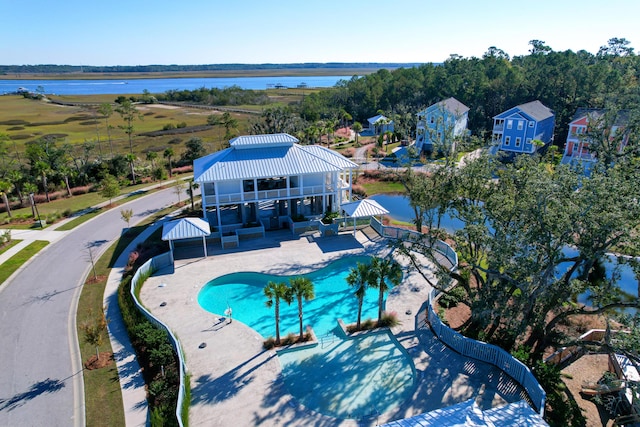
x,y
341,377
334,299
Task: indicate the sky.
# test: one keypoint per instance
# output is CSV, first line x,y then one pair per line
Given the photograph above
x,y
144,32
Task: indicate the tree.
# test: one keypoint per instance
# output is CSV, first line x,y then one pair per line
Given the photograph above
x,y
530,245
152,156
229,123
30,188
301,288
178,188
94,331
357,128
107,111
5,189
194,150
126,215
361,278
274,293
168,154
384,269
616,47
129,114
131,158
109,187
193,186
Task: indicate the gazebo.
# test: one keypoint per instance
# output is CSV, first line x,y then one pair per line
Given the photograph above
x,y
186,228
363,209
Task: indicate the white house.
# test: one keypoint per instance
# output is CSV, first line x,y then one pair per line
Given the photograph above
x,y
265,179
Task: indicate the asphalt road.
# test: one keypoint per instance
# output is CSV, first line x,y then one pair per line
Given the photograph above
x,y
40,366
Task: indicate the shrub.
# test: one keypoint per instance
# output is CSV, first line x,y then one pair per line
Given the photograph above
x,y
349,152
388,320
359,190
168,126
183,169
269,343
452,299
159,174
181,125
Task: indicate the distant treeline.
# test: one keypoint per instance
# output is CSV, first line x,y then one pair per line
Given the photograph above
x,y
58,69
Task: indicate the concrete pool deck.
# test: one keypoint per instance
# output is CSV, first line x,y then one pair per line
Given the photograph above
x,y
234,381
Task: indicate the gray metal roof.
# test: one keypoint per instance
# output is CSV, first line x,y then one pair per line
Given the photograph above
x,y
263,156
536,110
269,140
363,208
185,228
454,106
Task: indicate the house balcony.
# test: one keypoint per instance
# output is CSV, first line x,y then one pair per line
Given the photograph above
x,y
498,128
277,194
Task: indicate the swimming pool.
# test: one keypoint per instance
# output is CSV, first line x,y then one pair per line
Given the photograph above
x,y
341,377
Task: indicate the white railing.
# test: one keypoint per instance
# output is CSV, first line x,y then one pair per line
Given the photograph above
x,y
282,193
487,353
466,346
414,236
146,270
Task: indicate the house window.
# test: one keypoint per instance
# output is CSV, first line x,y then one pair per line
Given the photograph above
x,y
432,119
509,124
529,141
520,124
507,140
530,124
518,142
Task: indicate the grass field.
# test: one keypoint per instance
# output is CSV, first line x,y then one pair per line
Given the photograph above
x,y
24,120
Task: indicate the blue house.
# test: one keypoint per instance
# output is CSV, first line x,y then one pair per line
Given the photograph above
x,y
445,119
379,124
515,130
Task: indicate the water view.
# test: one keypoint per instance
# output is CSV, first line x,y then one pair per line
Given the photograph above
x,y
137,86
399,209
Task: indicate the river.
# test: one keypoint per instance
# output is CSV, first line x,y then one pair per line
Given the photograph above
x,y
137,86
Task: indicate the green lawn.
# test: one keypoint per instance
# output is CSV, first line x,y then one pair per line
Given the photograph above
x,y
18,260
9,245
103,399
381,187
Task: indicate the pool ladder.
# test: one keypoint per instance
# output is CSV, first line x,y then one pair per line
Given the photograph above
x,y
328,338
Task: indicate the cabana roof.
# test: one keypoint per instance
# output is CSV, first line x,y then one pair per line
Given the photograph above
x,y
364,208
185,228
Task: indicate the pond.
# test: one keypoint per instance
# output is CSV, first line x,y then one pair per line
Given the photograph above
x,y
399,209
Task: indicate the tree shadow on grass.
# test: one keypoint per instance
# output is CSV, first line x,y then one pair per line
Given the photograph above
x,y
37,389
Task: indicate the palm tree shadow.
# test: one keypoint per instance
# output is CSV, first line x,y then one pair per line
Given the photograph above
x,y
37,389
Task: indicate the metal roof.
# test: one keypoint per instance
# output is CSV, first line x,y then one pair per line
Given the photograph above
x,y
376,119
269,140
363,208
185,228
271,159
534,109
454,106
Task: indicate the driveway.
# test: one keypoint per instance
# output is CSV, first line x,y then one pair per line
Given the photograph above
x,y
41,375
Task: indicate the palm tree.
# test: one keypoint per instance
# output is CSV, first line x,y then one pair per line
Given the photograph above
x,y
152,156
361,278
168,154
383,269
301,288
357,128
274,293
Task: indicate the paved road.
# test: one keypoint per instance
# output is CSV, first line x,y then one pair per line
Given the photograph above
x,y
40,367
